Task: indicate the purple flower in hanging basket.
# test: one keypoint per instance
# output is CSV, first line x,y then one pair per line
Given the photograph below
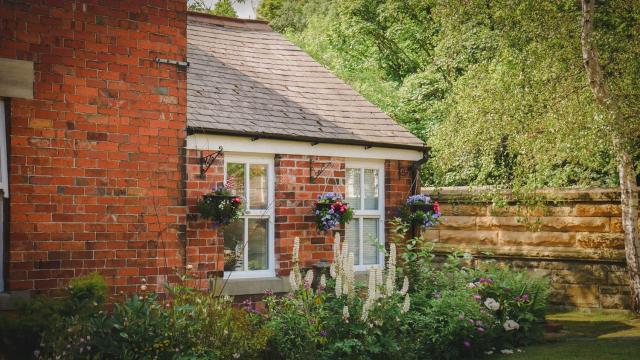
x,y
421,210
331,211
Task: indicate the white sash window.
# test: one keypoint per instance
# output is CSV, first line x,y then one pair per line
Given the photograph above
x,y
249,242
365,195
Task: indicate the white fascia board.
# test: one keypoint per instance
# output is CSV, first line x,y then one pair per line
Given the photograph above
x,y
290,147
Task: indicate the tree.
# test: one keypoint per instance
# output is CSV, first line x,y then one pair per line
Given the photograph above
x,y
497,88
622,137
224,8
220,8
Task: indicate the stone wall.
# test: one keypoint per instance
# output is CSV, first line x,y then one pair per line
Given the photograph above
x,y
574,237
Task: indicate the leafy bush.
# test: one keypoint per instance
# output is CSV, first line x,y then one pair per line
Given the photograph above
x,y
440,311
341,318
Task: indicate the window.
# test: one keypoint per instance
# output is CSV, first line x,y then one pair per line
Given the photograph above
x,y
248,242
365,195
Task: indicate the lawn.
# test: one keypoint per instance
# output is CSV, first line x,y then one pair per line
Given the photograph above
x,y
588,335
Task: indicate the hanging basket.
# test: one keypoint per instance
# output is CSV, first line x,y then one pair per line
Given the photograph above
x,y
421,207
223,209
330,212
421,210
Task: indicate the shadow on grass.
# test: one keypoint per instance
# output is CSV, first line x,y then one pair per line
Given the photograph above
x,y
588,335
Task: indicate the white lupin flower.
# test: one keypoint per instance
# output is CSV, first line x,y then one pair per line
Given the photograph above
x,y
345,313
296,249
349,274
308,278
372,284
344,253
405,286
332,270
406,304
492,304
510,325
391,270
323,281
295,278
338,285
378,272
292,281
365,311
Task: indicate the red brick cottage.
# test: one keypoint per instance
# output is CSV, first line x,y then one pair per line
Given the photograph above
x,y
119,115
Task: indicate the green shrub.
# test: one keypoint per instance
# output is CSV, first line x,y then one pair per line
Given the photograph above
x,y
452,311
341,319
191,324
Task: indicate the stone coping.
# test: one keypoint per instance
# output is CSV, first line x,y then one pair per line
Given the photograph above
x,y
534,253
474,194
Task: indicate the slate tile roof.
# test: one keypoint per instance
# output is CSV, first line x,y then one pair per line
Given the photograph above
x,y
243,78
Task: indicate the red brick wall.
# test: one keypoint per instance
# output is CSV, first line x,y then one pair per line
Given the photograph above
x,y
397,182
294,197
95,159
204,249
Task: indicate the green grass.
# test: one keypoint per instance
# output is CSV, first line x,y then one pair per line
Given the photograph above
x,y
588,335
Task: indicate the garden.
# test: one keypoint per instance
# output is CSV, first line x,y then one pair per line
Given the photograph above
x,y
416,306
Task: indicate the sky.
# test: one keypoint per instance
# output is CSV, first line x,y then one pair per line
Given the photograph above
x,y
245,10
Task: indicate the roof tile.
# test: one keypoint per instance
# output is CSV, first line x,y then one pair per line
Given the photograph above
x,y
244,78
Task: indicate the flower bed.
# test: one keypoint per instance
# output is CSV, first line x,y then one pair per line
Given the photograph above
x,y
447,312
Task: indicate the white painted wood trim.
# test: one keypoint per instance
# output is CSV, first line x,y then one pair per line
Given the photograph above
x,y
273,146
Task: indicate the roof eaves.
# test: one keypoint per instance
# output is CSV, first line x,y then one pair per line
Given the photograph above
x,y
258,135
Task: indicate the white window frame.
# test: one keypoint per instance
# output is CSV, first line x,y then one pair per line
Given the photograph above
x,y
369,214
268,214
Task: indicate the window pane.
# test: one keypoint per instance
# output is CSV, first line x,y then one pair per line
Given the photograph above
x,y
370,241
258,186
233,249
235,178
353,188
371,189
352,236
258,244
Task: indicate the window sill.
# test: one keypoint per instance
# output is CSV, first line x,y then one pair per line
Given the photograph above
x,y
254,285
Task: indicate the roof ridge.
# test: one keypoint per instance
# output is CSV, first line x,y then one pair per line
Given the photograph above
x,y
226,21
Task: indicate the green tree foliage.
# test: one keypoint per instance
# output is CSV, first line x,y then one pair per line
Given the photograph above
x,y
220,8
224,8
496,88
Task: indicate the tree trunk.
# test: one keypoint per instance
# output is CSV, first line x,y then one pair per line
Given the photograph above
x,y
629,197
628,187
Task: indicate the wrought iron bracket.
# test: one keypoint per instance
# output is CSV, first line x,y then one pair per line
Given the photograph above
x,y
313,174
182,64
207,161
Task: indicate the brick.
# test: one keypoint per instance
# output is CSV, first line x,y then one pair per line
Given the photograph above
x,y
71,155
